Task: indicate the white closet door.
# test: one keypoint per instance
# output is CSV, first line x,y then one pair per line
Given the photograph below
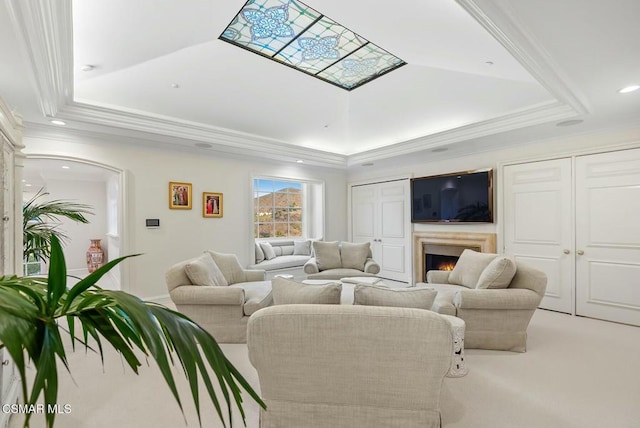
x,y
538,225
394,237
608,236
380,216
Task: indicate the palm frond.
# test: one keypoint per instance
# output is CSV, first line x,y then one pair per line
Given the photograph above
x,y
40,220
30,309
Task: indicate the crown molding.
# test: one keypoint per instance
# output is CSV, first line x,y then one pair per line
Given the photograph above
x,y
92,134
222,140
44,29
509,31
534,116
11,125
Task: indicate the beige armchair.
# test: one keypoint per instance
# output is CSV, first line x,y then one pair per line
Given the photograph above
x,y
496,318
344,366
335,260
220,301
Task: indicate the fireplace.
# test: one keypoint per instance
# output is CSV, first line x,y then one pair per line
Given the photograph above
x,y
440,250
444,256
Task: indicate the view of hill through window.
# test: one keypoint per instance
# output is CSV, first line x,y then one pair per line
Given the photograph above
x,y
277,208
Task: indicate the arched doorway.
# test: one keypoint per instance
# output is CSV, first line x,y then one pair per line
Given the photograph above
x,y
100,186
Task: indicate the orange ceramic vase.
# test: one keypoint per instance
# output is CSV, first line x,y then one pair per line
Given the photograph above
x,y
95,255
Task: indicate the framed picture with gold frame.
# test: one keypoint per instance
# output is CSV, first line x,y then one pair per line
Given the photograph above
x,y
180,195
211,204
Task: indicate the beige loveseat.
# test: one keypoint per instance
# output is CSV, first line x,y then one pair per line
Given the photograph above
x,y
218,294
345,366
280,256
335,260
498,312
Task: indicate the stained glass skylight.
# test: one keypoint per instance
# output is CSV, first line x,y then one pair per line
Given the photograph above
x,y
298,36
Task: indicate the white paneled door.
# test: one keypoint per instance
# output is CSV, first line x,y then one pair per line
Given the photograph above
x,y
539,227
379,215
608,236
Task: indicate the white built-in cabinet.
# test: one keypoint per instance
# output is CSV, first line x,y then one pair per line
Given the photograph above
x,y
380,215
576,218
10,234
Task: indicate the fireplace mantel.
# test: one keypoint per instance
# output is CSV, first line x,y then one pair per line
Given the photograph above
x,y
484,242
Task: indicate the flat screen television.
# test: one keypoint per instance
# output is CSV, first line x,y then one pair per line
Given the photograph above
x,y
459,197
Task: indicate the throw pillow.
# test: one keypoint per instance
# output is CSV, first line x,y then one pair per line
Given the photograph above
x,y
327,255
204,271
301,248
354,256
267,249
287,292
420,298
230,267
498,274
469,267
259,253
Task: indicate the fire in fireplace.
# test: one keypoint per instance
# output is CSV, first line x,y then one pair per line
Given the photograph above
x,y
443,256
440,262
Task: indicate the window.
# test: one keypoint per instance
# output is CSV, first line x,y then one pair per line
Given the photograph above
x,y
278,208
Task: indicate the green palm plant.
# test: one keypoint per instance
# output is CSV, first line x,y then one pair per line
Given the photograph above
x,y
39,224
31,311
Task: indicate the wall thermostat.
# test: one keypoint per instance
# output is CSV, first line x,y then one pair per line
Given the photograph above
x,y
152,222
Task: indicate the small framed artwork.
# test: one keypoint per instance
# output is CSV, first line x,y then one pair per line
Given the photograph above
x,y
211,204
180,196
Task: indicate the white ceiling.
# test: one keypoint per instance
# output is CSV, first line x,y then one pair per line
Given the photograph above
x,y
552,60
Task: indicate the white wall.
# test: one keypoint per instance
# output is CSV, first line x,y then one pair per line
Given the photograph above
x,y
185,234
430,163
92,193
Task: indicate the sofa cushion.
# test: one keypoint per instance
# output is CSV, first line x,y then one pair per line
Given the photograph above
x,y
286,292
498,274
204,271
327,255
469,268
419,298
353,255
230,267
282,262
257,295
302,248
259,253
267,249
337,274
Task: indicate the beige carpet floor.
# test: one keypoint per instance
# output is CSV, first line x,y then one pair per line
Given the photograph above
x,y
577,372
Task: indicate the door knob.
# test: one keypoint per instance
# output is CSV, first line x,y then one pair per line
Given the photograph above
x,y
579,252
566,251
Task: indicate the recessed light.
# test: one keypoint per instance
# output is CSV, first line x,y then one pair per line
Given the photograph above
x,y
367,164
440,149
299,161
489,62
175,85
87,67
65,167
570,122
28,185
58,122
203,145
629,88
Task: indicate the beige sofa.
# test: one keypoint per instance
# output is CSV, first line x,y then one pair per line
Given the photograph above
x,y
344,366
280,256
335,260
219,300
496,318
